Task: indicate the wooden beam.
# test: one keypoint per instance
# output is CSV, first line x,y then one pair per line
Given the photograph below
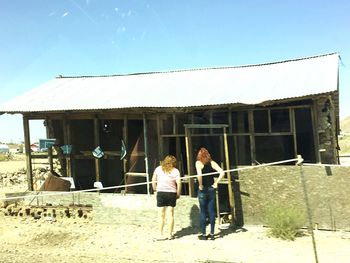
x,y
189,161
227,160
177,145
220,134
294,130
160,141
145,140
97,143
334,130
47,127
28,152
211,121
174,123
49,152
205,126
68,141
269,120
315,122
229,121
251,136
125,138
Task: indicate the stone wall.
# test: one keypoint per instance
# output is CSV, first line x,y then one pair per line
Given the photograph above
x,y
328,190
326,129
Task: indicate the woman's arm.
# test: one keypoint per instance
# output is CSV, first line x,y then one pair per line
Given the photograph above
x,y
199,167
178,187
154,182
217,168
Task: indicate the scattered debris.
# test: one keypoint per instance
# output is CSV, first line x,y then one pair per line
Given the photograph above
x,y
48,212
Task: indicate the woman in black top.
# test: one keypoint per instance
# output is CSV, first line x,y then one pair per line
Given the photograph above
x,y
207,190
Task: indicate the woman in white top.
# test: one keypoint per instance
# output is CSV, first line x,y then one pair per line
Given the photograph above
x,y
167,183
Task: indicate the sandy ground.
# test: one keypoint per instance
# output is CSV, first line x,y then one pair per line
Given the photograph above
x,y
131,239
85,241
12,166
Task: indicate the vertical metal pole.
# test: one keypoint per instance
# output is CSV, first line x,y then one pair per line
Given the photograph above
x,y
146,151
306,199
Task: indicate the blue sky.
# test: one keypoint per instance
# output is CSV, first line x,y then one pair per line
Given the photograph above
x,y
42,39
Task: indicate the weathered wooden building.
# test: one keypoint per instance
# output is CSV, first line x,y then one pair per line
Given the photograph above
x,y
265,113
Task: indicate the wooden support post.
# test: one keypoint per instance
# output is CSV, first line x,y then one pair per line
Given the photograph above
x,y
189,161
160,139
294,131
125,138
222,151
251,136
28,152
211,121
67,141
49,153
174,124
97,143
48,128
230,121
230,194
158,136
333,130
146,151
315,123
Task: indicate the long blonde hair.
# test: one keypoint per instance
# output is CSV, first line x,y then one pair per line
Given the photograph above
x,y
168,163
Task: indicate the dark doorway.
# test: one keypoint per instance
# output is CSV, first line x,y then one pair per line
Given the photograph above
x,y
304,134
274,148
136,156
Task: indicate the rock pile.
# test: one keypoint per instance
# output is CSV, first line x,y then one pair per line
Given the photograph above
x,y
8,179
20,177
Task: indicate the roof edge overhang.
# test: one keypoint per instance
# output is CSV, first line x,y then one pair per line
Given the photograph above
x,y
178,109
200,69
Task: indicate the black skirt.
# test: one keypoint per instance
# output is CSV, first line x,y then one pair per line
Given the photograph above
x,y
166,199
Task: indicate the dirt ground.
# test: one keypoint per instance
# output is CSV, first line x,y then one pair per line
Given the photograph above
x,y
12,166
131,239
29,240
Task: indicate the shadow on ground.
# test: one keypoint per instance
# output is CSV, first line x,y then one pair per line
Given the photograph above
x,y
193,228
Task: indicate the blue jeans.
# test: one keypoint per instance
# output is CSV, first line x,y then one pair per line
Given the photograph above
x,y
207,203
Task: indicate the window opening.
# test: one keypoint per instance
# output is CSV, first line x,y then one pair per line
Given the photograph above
x,y
280,121
239,120
261,121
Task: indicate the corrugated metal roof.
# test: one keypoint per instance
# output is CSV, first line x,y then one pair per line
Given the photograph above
x,y
252,84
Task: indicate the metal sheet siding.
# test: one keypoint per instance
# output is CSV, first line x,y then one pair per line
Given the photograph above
x,y
214,86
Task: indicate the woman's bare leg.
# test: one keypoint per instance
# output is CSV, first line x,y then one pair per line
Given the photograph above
x,y
161,218
171,221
